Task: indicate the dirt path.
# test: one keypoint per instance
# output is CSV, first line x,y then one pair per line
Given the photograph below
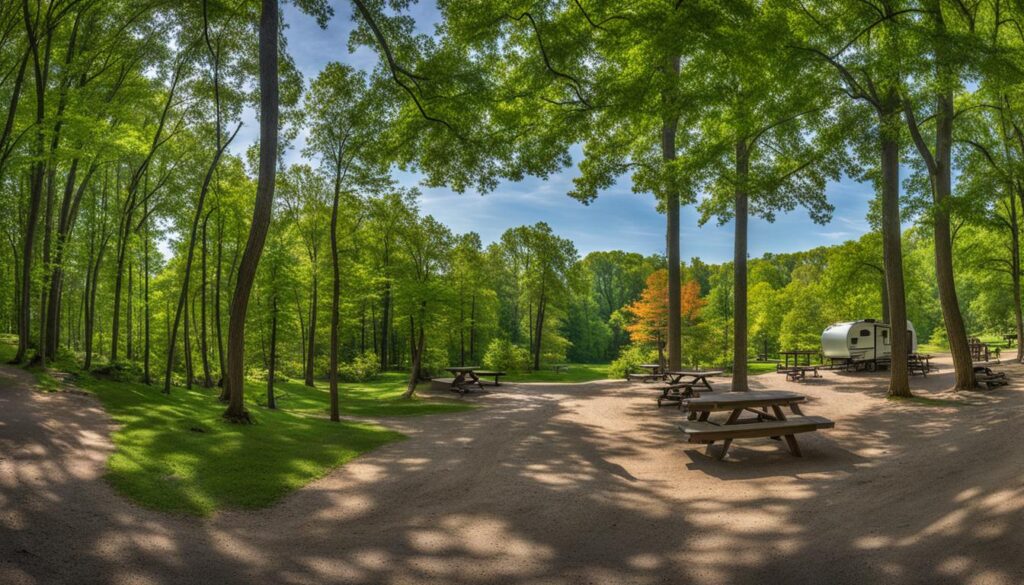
x,y
550,484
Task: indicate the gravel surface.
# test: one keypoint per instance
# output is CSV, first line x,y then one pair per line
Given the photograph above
x,y
556,484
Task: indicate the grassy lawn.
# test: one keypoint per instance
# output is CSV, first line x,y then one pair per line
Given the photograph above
x,y
174,453
760,367
573,373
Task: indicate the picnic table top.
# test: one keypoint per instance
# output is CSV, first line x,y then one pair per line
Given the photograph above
x,y
735,400
695,373
463,368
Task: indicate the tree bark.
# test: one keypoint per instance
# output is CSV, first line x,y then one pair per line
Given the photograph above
x,y
335,302
204,348
311,342
899,382
541,304
417,357
385,325
35,187
268,83
271,403
739,292
146,377
668,152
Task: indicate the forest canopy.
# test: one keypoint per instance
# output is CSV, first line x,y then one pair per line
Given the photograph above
x,y
141,238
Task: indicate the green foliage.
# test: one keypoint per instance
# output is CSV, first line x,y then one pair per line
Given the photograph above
x,y
363,368
504,355
630,359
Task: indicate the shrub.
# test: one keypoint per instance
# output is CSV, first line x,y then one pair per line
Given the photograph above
x,y
502,354
630,359
119,372
435,360
364,367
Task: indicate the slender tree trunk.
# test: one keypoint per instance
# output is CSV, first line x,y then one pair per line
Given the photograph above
x,y
472,329
186,341
668,153
90,312
216,299
146,377
271,403
1015,269
204,348
956,332
311,342
129,350
234,381
335,301
417,357
899,382
739,291
385,325
540,330
37,172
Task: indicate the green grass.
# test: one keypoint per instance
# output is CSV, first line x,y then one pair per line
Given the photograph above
x,y
761,367
925,401
574,373
176,454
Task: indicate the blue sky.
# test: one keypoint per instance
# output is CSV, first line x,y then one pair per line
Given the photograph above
x,y
619,219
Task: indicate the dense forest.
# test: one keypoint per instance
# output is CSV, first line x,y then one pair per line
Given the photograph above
x,y
137,239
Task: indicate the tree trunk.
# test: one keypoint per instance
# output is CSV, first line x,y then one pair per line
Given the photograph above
x,y
128,350
311,343
899,382
540,330
234,381
668,153
417,357
472,329
739,291
1015,269
942,190
335,302
218,327
204,348
146,377
271,403
385,325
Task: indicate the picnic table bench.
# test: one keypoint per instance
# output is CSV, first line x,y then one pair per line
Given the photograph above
x,y
490,374
919,363
654,372
697,377
679,393
465,378
794,373
985,375
774,424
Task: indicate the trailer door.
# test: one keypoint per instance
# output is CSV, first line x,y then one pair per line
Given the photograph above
x,y
883,341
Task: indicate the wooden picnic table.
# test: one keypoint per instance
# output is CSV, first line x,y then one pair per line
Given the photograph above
x,y
654,372
465,378
766,424
697,377
919,363
795,356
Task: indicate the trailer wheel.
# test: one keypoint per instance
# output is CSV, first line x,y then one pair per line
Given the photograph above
x,y
872,366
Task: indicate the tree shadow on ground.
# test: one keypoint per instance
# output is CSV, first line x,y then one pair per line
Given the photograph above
x,y
560,485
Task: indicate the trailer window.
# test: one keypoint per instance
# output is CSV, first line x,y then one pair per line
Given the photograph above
x,y
865,333
853,341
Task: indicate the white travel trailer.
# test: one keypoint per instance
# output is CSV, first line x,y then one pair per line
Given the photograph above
x,y
861,341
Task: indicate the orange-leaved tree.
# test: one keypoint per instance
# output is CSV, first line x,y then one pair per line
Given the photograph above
x,y
648,315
